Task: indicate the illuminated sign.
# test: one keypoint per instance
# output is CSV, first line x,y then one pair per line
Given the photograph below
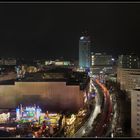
x,y
28,113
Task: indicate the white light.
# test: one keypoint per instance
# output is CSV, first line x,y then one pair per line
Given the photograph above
x,y
81,37
112,59
101,71
112,135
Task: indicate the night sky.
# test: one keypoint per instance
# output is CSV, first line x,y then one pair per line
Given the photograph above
x,y
52,30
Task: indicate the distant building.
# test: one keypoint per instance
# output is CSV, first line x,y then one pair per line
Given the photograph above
x,y
8,62
58,63
101,59
102,63
135,112
84,52
128,61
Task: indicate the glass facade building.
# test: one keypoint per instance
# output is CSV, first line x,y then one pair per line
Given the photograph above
x,y
84,52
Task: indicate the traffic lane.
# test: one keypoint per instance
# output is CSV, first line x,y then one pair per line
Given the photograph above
x,y
99,126
104,124
107,111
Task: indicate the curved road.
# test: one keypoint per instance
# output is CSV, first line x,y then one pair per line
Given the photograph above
x,y
101,128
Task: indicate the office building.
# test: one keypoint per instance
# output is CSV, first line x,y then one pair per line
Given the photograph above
x,y
101,59
128,61
129,79
84,52
102,63
135,112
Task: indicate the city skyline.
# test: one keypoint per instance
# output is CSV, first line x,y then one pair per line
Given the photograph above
x,y
53,30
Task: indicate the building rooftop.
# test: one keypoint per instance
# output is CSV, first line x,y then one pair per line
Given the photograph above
x,y
53,75
57,74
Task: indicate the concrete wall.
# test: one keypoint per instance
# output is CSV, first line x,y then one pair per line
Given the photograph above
x,y
52,95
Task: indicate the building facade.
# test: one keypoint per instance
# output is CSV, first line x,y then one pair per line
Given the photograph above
x,y
8,62
84,52
52,95
129,79
99,59
102,63
128,61
135,113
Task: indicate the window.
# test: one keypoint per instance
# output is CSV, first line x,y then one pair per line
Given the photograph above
x,y
138,133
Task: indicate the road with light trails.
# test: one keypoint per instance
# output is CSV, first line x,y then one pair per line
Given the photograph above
x,y
87,127
102,126
100,130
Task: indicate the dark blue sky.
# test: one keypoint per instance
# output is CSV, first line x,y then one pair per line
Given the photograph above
x,y
53,30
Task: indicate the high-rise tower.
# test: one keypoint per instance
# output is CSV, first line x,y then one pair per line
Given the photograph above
x,y
84,51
